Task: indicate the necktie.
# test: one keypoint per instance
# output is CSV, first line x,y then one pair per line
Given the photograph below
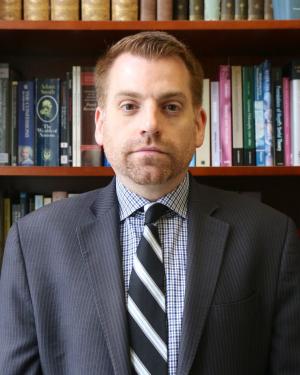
x,y
146,301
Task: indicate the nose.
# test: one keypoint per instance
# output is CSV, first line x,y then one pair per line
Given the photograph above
x,y
151,122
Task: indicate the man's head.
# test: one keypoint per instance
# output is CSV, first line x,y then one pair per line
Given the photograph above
x,y
150,45
149,118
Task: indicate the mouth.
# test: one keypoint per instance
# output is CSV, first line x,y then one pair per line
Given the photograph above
x,y
149,151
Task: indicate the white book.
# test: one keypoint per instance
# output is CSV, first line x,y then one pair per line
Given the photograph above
x,y
215,125
212,10
203,152
78,110
237,114
295,120
74,116
38,201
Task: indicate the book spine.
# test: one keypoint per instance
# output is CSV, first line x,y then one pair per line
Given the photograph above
x,y
203,152
147,10
65,10
248,115
287,121
292,9
26,121
10,10
278,115
95,10
241,10
196,10
124,10
212,10
74,116
227,10
36,10
69,113
14,122
295,111
215,125
47,121
89,150
4,115
64,126
180,8
255,9
268,10
225,115
268,114
164,10
259,116
237,115
38,201
24,203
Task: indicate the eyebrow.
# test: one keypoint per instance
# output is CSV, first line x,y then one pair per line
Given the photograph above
x,y
164,96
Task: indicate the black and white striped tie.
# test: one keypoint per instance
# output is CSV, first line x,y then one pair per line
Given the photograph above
x,y
146,301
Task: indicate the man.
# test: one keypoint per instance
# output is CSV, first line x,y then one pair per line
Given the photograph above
x,y
231,293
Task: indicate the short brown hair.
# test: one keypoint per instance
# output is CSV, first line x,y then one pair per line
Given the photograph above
x,y
150,45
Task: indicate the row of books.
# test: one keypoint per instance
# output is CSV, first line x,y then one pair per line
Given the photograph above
x,y
12,209
131,10
253,116
48,122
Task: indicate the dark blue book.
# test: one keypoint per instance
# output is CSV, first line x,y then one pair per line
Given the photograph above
x,y
278,115
26,122
47,121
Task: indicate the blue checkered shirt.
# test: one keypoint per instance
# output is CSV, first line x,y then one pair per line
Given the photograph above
x,y
172,230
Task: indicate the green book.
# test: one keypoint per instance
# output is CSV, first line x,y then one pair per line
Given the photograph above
x,y
248,115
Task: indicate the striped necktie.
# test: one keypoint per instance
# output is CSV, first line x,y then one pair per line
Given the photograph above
x,y
146,301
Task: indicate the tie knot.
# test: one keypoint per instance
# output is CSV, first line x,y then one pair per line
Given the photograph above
x,y
154,212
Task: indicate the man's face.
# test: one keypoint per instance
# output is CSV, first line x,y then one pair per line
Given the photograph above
x,y
149,127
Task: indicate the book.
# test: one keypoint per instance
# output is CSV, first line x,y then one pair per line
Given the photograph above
x,y
15,212
286,121
24,203
241,9
64,125
36,10
10,10
248,115
76,114
38,201
215,124
14,123
147,10
47,121
164,10
64,10
180,9
227,9
69,113
203,152
90,152
4,114
26,123
278,115
259,116
295,110
286,10
237,115
196,10
268,114
255,9
47,200
212,10
225,115
124,10
95,10
268,10
58,195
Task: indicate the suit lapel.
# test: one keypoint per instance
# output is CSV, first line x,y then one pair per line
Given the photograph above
x,y
100,247
206,242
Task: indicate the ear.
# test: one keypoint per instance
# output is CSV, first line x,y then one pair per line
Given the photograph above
x,y
200,122
99,122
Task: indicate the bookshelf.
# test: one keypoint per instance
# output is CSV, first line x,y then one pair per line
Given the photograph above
x,y
50,48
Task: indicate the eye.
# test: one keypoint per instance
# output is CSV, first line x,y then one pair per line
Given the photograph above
x,y
172,107
128,107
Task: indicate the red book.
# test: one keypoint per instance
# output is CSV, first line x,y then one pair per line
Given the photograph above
x,y
225,115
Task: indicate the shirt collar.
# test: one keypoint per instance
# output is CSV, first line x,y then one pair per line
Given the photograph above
x,y
130,202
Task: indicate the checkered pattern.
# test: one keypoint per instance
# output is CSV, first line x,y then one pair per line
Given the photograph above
x,y
173,235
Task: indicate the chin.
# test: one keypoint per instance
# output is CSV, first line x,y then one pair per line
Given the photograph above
x,y
149,175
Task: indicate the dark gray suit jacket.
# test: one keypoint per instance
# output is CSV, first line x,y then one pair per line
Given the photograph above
x,y
62,304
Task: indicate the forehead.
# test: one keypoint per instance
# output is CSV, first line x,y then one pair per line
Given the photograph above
x,y
139,73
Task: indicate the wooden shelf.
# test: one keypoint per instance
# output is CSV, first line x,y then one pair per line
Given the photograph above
x,y
108,172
